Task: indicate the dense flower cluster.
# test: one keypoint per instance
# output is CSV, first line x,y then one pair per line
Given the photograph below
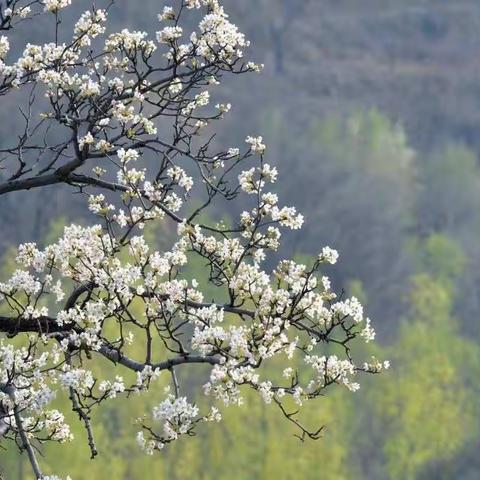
x,y
56,5
102,288
4,46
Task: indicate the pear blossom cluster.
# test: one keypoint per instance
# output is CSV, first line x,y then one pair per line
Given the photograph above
x,y
4,46
105,293
16,10
56,5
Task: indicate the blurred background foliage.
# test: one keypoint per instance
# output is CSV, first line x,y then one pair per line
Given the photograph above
x,y
377,135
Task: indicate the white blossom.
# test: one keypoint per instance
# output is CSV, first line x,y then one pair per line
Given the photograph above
x,y
169,34
55,5
4,46
256,144
329,255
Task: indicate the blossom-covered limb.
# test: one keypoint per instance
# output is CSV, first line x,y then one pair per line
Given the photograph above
x,y
133,114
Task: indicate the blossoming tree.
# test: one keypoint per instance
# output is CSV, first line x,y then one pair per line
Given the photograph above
x,y
132,121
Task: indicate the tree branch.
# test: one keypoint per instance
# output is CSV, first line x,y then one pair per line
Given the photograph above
x,y
9,390
42,325
116,357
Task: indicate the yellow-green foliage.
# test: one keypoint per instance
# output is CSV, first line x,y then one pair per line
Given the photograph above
x,y
423,406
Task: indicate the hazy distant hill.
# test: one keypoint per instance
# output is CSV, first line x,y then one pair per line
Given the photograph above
x,y
418,61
